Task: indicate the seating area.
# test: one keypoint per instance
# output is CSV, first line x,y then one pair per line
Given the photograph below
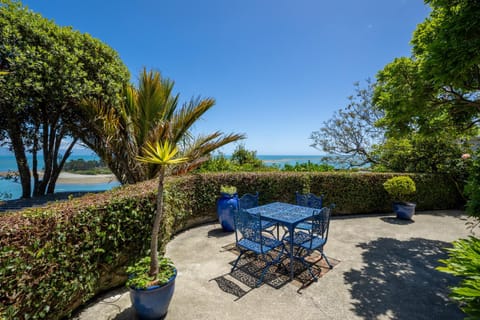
x,y
379,273
253,232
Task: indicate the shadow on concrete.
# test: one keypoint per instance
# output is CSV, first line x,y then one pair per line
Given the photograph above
x,y
127,314
219,233
399,281
245,277
393,220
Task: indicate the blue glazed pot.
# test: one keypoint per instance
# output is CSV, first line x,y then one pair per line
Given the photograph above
x,y
404,210
153,302
226,206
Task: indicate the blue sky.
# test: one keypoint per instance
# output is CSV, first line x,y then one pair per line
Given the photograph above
x,y
278,69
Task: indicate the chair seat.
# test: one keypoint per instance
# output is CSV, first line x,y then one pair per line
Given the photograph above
x,y
267,224
268,244
302,239
304,226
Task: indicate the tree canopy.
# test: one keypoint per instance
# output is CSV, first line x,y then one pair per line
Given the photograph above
x,y
51,69
439,85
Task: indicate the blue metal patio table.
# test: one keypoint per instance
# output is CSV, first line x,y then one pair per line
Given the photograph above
x,y
286,214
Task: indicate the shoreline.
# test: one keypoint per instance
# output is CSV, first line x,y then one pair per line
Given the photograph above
x,y
75,178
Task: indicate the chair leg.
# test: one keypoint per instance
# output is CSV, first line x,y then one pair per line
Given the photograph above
x,y
268,264
326,259
238,259
260,280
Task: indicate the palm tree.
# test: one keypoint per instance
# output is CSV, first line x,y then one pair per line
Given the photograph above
x,y
148,114
163,155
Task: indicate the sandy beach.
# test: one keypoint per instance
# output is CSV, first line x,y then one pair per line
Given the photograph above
x,y
73,178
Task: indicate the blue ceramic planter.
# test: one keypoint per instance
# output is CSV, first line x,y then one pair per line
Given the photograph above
x,y
404,210
153,302
226,206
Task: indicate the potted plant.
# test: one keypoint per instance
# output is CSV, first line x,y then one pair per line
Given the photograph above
x,y
152,279
401,189
226,205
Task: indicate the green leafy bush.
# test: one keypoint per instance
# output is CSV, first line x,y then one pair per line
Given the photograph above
x,y
472,188
228,190
400,188
141,279
308,167
464,262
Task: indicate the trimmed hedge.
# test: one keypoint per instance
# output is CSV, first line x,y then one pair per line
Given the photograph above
x,y
55,258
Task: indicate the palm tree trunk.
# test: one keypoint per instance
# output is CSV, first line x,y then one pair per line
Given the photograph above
x,y
156,225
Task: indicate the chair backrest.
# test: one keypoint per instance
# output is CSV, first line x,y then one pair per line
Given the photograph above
x,y
321,222
248,201
247,225
309,200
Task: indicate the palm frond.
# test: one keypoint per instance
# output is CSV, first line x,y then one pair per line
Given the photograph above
x,y
198,149
187,115
161,153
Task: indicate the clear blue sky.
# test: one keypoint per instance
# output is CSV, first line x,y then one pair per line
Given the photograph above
x,y
277,68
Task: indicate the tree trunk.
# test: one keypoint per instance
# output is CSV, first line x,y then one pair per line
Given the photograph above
x,y
58,168
156,225
19,150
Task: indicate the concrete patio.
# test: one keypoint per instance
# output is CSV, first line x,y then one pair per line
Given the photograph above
x,y
385,271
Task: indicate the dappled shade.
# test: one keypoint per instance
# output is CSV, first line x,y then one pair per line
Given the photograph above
x,y
399,279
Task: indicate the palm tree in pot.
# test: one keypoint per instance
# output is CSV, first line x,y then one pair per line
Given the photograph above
x,y
401,189
152,278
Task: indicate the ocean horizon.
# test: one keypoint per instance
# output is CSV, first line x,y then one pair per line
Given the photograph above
x,y
13,190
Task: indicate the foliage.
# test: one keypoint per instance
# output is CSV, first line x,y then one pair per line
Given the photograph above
x,y
472,188
464,262
140,279
86,167
400,188
55,258
250,163
50,70
244,157
231,190
415,152
218,163
438,87
119,133
308,167
351,133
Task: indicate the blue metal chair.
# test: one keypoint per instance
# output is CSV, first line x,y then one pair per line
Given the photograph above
x,y
249,237
315,239
248,201
308,200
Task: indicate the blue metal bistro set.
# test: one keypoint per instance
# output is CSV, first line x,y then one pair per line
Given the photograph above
x,y
304,230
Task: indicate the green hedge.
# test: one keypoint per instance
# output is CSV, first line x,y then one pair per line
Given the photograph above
x,y
55,258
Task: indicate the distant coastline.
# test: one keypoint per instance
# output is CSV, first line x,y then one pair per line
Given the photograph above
x,y
71,182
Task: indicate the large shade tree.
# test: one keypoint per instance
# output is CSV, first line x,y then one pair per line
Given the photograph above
x,y
147,114
439,85
51,69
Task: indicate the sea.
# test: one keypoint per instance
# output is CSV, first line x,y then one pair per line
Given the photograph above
x,y
10,190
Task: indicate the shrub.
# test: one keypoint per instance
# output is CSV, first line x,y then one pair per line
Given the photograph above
x,y
400,188
231,190
464,261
